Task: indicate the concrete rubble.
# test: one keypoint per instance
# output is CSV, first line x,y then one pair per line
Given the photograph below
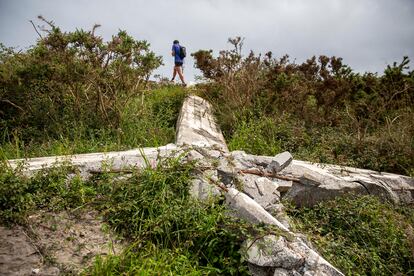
x,y
253,186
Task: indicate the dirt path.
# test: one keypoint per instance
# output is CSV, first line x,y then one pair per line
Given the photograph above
x,y
55,243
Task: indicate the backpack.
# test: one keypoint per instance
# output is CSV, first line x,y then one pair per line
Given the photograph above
x,y
183,52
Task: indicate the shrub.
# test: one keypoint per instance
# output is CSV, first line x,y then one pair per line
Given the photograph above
x,y
335,115
169,231
146,121
71,80
361,236
48,189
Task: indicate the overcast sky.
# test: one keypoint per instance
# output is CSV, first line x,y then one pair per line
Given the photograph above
x,y
368,34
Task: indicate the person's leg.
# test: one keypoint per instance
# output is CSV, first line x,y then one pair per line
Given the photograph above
x,y
174,73
180,74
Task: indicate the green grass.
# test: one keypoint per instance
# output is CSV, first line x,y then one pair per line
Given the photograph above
x,y
150,261
169,231
148,121
48,189
360,235
268,135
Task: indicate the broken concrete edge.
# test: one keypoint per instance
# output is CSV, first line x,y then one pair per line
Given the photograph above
x,y
141,157
248,209
292,255
308,183
196,125
343,171
342,180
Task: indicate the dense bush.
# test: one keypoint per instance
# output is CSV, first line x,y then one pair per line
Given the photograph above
x,y
169,231
335,115
154,210
146,121
48,189
71,80
361,236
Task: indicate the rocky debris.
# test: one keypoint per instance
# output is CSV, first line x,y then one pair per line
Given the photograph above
x,y
279,162
261,189
313,188
203,190
278,211
241,160
274,252
284,272
283,186
314,263
246,208
286,257
256,198
253,195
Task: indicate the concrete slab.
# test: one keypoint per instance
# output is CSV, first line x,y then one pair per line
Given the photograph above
x,y
196,125
94,161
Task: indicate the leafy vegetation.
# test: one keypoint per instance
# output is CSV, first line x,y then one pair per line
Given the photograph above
x,y
74,93
319,110
361,236
169,231
20,195
147,121
155,210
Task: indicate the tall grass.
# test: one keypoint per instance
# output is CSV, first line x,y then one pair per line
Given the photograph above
x,y
362,235
147,121
169,232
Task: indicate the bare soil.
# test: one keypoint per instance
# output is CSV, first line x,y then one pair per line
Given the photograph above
x,y
55,244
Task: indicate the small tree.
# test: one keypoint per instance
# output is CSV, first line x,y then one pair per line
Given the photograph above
x,y
71,79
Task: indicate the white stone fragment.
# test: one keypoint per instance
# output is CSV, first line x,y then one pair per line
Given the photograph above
x,y
274,252
279,162
248,209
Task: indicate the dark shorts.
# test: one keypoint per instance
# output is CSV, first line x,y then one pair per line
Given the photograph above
x,y
178,64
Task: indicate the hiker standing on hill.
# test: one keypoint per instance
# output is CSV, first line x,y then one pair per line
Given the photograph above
x,y
179,54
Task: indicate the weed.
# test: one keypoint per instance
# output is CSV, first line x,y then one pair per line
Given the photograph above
x,y
169,231
145,122
361,236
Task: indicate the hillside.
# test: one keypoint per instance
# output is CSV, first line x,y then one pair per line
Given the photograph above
x,y
73,93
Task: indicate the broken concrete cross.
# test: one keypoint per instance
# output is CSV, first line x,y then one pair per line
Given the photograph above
x,y
252,185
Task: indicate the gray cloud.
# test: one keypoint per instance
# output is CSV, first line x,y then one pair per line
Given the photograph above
x,y
368,34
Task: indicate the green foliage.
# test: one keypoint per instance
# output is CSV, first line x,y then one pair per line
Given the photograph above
x,y
155,210
14,200
269,136
169,231
335,115
71,80
49,189
146,121
361,235
149,261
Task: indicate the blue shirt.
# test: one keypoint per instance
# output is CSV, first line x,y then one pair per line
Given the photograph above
x,y
176,50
